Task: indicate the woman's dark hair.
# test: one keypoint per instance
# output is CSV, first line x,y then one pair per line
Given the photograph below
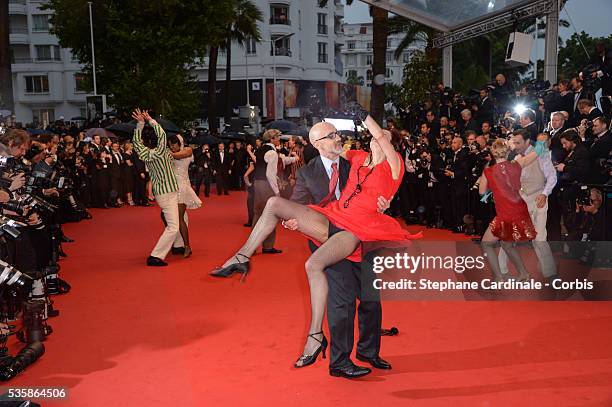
x,y
173,139
149,138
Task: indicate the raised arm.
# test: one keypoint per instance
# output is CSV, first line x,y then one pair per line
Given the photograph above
x,y
144,153
385,144
186,152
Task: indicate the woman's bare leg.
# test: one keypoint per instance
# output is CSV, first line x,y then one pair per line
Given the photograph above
x,y
489,244
310,222
336,248
183,228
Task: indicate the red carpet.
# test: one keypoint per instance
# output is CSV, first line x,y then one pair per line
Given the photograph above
x,y
129,335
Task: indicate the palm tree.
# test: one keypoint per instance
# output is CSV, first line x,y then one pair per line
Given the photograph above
x,y
414,33
244,27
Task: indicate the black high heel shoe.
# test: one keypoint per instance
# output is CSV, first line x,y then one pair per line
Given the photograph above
x,y
310,359
239,267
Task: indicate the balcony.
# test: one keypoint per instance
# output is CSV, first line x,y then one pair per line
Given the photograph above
x,y
322,29
280,20
281,52
18,7
18,35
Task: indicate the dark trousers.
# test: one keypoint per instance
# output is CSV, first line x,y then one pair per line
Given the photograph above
x,y
222,182
344,281
262,192
140,190
459,196
202,177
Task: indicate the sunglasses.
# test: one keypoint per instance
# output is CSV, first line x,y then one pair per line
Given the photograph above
x,y
330,136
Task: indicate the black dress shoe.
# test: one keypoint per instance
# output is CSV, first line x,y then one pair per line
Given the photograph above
x,y
271,251
156,262
66,239
178,250
350,372
377,362
248,225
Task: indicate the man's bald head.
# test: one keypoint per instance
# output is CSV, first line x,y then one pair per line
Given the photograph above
x,y
327,147
320,130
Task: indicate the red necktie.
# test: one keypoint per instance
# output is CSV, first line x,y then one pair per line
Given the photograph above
x,y
333,181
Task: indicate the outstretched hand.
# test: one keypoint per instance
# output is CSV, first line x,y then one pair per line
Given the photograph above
x,y
358,111
138,115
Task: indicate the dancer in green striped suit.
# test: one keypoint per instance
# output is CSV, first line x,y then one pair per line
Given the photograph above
x,y
159,163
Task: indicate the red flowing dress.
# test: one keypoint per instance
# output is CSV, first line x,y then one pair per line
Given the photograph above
x,y
512,222
361,216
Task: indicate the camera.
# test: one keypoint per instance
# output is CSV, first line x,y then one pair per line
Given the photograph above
x,y
583,197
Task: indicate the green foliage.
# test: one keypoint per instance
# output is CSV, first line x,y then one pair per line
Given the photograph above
x,y
353,79
419,76
144,48
572,57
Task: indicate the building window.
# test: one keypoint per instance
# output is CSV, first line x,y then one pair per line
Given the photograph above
x,y
48,53
73,57
43,53
363,30
282,47
40,22
389,57
251,46
43,116
369,59
370,45
388,73
389,43
322,52
79,85
300,49
279,14
369,75
351,60
322,23
406,57
37,84
350,44
300,23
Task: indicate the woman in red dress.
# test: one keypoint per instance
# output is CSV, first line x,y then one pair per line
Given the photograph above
x,y
374,174
512,222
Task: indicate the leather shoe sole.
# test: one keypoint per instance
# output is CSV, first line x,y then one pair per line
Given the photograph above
x,y
155,262
271,251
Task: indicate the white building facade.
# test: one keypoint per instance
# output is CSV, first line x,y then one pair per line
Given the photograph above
x,y
357,54
308,58
46,79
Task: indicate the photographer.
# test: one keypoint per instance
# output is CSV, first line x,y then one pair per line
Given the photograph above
x,y
574,170
599,151
588,228
204,170
430,169
588,112
456,172
502,93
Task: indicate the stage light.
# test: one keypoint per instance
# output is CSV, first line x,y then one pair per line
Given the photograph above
x,y
520,108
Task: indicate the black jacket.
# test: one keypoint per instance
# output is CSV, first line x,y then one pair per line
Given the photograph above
x,y
312,183
577,165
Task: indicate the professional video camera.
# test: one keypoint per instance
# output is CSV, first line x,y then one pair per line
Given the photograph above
x,y
588,82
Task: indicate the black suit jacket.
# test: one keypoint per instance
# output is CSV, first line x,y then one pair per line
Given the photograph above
x,y
225,166
532,130
312,183
486,111
577,165
598,153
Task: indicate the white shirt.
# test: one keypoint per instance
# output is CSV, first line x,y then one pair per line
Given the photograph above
x,y
221,155
271,159
327,163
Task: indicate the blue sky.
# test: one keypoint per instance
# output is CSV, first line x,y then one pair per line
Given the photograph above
x,y
591,16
